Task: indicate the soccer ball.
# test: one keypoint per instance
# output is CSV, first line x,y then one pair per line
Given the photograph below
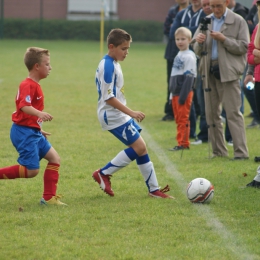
x,y
200,190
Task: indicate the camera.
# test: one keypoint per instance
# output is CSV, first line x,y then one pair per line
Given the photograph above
x,y
204,21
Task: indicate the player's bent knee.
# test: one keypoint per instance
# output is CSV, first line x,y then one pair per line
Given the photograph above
x,y
32,173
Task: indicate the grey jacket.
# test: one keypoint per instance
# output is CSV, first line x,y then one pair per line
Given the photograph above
x,y
232,52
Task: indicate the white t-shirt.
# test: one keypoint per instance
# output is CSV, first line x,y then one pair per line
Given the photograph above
x,y
185,63
110,83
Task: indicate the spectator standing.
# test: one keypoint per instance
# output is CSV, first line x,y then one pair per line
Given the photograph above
x,y
202,136
238,8
227,37
189,18
184,72
169,56
242,11
253,58
252,20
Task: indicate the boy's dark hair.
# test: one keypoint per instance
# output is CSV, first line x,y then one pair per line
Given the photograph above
x,y
118,36
34,55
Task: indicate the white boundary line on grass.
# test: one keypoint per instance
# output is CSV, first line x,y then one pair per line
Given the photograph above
x,y
230,241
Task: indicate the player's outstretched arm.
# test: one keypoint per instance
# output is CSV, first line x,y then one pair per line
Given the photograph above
x,y
114,102
34,112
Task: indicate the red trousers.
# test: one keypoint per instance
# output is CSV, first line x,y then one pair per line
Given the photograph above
x,y
181,116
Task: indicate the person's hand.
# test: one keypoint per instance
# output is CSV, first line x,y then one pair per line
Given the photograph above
x,y
247,79
257,60
200,38
45,116
218,36
138,116
256,53
45,134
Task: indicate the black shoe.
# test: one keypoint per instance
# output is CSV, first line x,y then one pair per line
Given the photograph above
x,y
239,158
253,184
168,118
253,124
178,148
257,159
250,114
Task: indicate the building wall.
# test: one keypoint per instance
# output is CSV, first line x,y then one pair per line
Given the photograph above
x,y
126,9
51,9
58,9
144,9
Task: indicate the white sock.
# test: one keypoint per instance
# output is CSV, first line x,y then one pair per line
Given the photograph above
x,y
120,161
149,175
257,177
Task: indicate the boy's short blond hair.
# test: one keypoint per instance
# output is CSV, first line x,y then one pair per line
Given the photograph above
x,y
185,31
118,36
34,55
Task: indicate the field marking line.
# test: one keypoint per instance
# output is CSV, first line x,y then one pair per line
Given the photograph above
x,y
231,242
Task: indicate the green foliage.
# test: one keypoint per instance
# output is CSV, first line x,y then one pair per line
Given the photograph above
x,y
147,31
130,225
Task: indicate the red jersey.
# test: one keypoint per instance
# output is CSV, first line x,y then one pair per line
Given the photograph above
x,y
29,94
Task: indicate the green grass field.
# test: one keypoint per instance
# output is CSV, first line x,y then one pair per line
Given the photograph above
x,y
129,226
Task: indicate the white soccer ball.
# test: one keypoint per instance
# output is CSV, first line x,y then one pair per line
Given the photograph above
x,y
200,190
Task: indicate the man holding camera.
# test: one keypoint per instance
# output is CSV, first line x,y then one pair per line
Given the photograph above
x,y
225,40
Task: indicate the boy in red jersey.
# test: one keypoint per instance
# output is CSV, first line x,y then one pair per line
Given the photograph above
x,y
26,132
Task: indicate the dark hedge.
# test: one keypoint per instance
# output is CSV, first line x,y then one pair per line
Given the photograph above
x,y
147,31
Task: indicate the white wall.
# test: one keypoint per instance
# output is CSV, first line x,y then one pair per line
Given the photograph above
x,y
247,3
91,6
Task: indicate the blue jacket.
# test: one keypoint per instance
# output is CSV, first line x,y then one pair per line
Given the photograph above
x,y
170,19
185,18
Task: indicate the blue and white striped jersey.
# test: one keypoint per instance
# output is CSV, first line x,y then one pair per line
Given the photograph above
x,y
110,83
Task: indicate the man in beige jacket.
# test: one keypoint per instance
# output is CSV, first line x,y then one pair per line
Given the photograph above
x,y
225,43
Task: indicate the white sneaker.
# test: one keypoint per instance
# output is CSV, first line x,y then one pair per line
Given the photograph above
x,y
230,143
196,142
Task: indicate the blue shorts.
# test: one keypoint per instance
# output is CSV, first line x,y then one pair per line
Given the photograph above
x,y
127,133
31,145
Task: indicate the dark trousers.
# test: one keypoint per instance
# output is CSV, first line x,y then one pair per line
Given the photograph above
x,y
203,126
257,97
192,121
168,106
250,96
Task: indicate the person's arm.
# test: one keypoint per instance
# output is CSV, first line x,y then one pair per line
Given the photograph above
x,y
186,88
256,53
114,102
249,74
235,45
197,42
176,24
168,21
34,112
190,70
251,59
